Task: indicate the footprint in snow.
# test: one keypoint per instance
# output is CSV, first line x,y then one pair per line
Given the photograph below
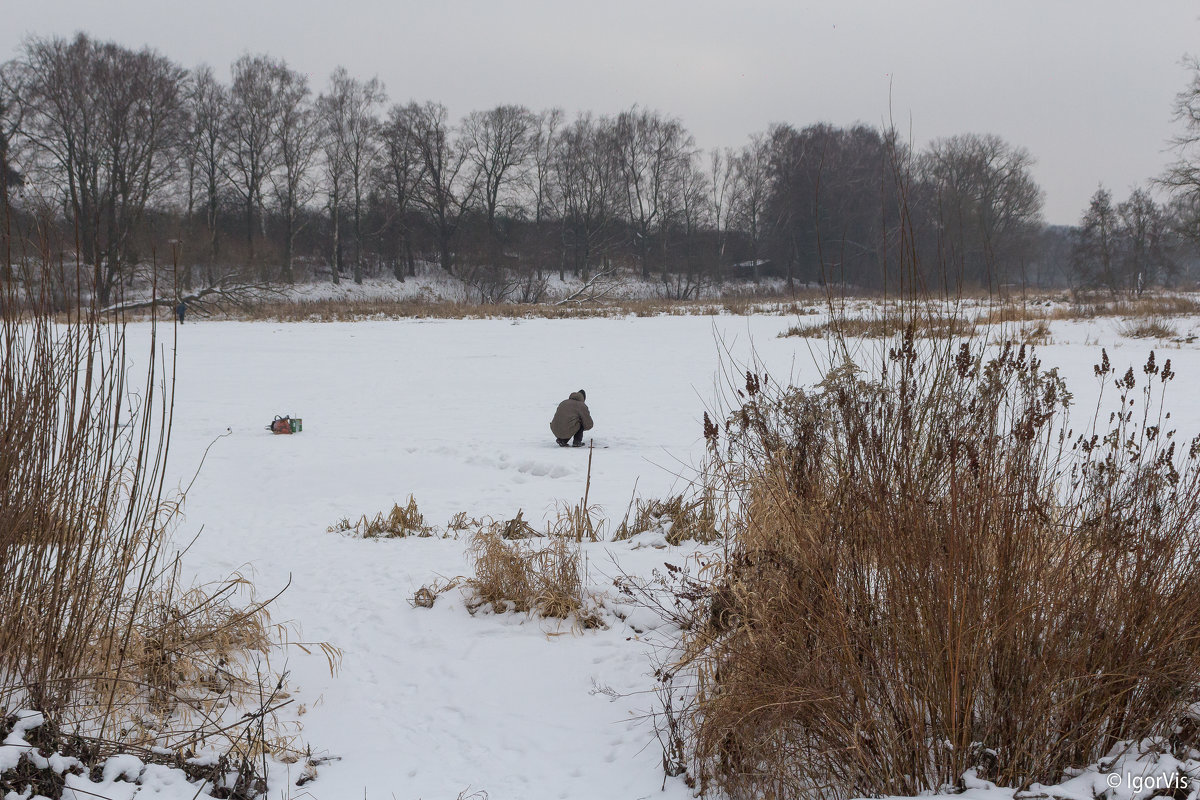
x,y
543,470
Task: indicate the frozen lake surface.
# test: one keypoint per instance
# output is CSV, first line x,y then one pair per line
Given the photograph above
x,y
429,703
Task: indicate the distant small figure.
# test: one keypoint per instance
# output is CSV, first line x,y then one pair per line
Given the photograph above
x,y
180,310
571,419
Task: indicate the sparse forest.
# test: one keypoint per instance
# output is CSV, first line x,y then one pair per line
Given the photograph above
x,y
118,159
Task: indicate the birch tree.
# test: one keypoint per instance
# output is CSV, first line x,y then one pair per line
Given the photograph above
x,y
206,102
650,149
752,189
250,127
296,131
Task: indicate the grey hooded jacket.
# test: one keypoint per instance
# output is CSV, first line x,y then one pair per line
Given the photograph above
x,y
567,418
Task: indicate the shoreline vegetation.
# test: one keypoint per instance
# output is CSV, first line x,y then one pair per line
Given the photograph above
x,y
868,314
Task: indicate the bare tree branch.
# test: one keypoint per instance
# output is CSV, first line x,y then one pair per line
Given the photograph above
x,y
594,289
226,293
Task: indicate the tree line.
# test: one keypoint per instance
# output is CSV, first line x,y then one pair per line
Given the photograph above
x,y
114,153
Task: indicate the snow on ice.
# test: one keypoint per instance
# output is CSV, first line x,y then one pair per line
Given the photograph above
x,y
431,702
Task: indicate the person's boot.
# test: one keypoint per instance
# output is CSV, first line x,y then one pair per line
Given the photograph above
x,y
576,443
561,442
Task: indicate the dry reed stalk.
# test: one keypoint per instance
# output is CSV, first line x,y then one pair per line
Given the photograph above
x,y
82,506
101,637
930,572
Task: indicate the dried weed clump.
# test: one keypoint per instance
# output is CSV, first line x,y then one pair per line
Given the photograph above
x,y
886,326
196,661
679,518
185,648
579,522
1035,334
544,578
401,521
932,570
1148,328
515,528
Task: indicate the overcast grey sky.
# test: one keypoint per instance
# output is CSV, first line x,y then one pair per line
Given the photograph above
x,y
1085,85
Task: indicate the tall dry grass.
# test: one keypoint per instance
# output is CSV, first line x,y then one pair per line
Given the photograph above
x,y
545,577
82,503
889,323
515,568
933,569
1089,307
98,633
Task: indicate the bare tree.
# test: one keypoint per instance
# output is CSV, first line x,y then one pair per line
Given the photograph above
x,y
106,123
834,203
447,185
990,204
296,130
1182,177
1146,257
686,212
250,124
350,118
206,101
400,173
499,143
650,149
752,189
539,180
226,292
1095,255
722,183
10,178
332,114
588,177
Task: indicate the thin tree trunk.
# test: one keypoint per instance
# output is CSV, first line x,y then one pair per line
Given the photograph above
x,y
444,245
250,229
398,258
289,224
358,269
337,246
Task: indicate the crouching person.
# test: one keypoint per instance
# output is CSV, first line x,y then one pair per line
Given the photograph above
x,y
571,419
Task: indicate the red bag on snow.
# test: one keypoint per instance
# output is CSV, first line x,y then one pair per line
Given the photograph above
x,y
280,425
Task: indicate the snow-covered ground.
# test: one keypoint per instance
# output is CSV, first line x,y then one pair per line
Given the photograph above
x,y
430,703
456,413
